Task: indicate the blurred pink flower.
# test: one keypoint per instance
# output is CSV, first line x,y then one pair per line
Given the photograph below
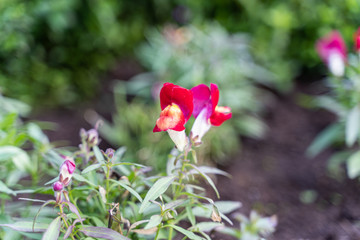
x,y
332,50
357,40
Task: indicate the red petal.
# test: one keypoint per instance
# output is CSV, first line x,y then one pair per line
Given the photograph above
x,y
201,94
166,95
214,96
220,115
182,97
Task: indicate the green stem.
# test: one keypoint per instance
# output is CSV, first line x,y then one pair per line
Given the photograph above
x,y
157,233
64,220
170,233
107,180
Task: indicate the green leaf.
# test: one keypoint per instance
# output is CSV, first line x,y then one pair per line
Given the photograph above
x,y
209,170
5,189
82,179
324,139
118,155
129,163
131,190
36,133
74,209
53,231
91,168
190,215
24,226
206,226
352,126
17,155
353,165
154,221
102,232
98,154
187,233
226,207
206,177
159,187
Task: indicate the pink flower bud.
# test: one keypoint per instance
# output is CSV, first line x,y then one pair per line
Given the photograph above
x,y
66,171
58,186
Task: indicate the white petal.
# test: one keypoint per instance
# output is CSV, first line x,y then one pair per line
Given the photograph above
x,y
201,125
179,138
336,64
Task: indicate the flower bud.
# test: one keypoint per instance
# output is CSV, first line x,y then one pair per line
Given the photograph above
x,y
92,137
58,186
66,171
110,153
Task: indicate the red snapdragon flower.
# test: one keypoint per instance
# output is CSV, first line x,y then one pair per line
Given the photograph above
x,y
206,109
332,50
357,40
177,105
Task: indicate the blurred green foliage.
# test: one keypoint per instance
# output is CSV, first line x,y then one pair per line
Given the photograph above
x,y
283,32
53,52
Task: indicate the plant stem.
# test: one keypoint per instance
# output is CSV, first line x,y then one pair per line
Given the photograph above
x,y
64,220
157,233
170,233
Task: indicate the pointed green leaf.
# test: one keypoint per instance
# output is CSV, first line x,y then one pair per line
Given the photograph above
x,y
187,233
206,177
131,190
91,168
102,232
352,126
5,189
154,221
53,231
159,187
353,165
24,226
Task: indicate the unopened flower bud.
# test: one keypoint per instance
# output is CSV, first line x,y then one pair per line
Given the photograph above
x,y
92,137
109,152
58,186
66,171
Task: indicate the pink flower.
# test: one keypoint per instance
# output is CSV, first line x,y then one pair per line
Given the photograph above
x,y
332,50
206,111
357,40
177,106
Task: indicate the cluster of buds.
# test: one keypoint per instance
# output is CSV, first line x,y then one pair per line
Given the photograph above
x,y
67,169
178,104
332,50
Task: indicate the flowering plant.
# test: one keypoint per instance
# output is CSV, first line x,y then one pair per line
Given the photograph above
x,y
100,195
343,100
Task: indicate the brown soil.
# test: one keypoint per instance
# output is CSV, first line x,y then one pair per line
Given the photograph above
x,y
270,175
